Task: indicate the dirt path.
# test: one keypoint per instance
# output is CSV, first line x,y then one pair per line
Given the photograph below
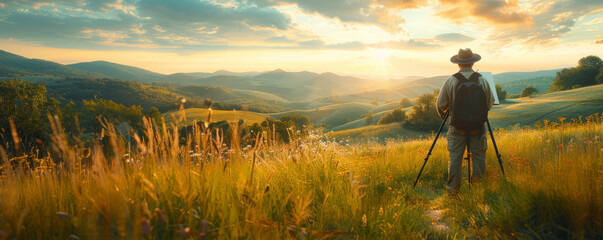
x,y
437,220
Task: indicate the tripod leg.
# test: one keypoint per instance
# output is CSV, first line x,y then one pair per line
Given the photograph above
x,y
495,148
469,160
430,149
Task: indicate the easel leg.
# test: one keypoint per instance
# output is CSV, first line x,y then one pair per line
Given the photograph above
x,y
496,148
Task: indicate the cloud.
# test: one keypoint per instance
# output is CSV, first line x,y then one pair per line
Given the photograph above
x,y
453,37
184,23
65,31
594,21
402,4
494,11
380,13
187,13
546,26
316,43
217,24
408,44
281,38
319,44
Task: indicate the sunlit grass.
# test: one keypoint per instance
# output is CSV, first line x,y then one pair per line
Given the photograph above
x,y
314,187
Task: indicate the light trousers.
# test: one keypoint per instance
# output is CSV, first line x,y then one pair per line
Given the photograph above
x,y
457,145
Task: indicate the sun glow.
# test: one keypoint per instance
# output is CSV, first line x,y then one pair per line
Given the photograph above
x,y
380,54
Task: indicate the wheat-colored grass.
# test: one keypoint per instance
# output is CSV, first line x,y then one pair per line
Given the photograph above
x,y
314,187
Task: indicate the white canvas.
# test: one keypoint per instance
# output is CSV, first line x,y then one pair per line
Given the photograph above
x,y
490,79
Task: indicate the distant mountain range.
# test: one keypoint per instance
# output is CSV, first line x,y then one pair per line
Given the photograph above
x,y
306,90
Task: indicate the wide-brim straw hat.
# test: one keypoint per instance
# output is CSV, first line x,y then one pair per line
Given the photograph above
x,y
465,56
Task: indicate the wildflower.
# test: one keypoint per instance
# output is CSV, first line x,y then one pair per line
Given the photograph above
x,y
145,227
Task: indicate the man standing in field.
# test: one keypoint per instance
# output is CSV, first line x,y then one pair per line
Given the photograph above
x,y
467,97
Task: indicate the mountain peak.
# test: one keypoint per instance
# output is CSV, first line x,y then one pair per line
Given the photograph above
x,y
278,70
222,72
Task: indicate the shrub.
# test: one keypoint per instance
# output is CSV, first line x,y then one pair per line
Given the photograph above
x,y
397,115
528,91
300,121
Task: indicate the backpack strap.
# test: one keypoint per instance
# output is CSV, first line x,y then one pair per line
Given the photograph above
x,y
474,77
460,77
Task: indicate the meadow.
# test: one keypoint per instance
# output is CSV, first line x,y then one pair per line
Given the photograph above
x,y
166,186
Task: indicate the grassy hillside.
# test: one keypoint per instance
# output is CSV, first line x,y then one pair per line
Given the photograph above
x,y
382,94
378,113
334,115
508,77
214,93
120,91
191,115
540,83
364,133
15,65
312,188
292,86
512,82
119,71
222,72
259,94
527,111
514,112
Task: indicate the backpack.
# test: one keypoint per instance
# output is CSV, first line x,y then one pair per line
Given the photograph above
x,y
470,108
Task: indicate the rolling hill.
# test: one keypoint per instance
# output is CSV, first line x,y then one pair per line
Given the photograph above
x,y
119,71
515,112
512,82
383,94
200,114
336,116
540,83
506,77
14,65
222,72
87,81
570,104
123,92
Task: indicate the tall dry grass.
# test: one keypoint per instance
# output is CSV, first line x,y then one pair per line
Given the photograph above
x,y
163,186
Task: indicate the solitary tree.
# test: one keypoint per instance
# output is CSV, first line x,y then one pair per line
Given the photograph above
x,y
528,91
590,62
423,114
405,102
368,118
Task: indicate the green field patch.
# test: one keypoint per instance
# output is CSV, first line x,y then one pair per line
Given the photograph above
x,y
190,115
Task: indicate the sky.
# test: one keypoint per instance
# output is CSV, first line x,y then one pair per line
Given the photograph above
x,y
380,39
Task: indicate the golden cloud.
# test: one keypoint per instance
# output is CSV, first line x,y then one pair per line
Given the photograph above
x,y
494,11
